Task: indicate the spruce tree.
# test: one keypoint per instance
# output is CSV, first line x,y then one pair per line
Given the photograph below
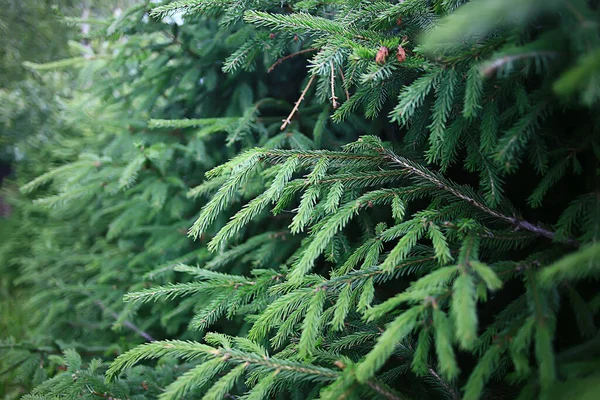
x,y
387,199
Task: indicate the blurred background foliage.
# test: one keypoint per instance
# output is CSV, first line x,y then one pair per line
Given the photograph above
x,y
35,31
112,215
33,110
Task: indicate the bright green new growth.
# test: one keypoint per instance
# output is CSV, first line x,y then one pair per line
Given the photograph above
x,y
424,223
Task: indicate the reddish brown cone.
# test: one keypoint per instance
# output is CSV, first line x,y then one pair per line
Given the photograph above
x,y
401,54
382,55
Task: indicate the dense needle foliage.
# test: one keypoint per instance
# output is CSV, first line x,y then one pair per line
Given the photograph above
x,y
326,199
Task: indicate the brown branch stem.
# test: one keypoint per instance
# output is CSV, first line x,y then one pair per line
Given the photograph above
x,y
382,390
287,121
333,97
517,222
128,324
272,67
445,384
344,83
498,63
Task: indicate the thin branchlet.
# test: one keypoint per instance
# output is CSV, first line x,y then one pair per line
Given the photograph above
x,y
445,185
288,120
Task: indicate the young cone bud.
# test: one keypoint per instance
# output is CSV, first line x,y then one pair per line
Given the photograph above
x,y
381,55
401,54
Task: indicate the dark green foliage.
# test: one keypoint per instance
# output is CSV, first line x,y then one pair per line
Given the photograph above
x,y
423,224
21,42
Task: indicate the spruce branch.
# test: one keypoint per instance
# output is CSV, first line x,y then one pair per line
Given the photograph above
x,y
66,63
452,188
188,7
391,250
309,158
189,123
310,24
373,272
312,372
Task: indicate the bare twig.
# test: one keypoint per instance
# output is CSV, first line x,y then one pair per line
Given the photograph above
x,y
376,385
128,324
333,97
287,121
491,67
517,222
104,395
272,67
344,83
383,390
445,384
